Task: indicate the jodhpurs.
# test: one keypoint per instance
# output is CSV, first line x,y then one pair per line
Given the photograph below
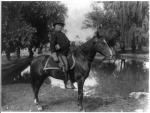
x,y
63,60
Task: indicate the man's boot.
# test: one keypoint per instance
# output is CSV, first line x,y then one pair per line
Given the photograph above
x,y
69,84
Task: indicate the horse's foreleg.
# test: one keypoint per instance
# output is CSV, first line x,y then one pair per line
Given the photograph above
x,y
80,95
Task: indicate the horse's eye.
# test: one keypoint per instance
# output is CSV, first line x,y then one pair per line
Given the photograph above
x,y
103,43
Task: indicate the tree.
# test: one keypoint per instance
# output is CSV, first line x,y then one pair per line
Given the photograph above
x,y
128,13
14,29
42,15
29,22
120,15
99,16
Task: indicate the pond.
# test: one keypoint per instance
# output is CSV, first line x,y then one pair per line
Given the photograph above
x,y
120,77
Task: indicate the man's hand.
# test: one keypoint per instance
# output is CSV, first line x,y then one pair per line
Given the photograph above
x,y
54,55
57,47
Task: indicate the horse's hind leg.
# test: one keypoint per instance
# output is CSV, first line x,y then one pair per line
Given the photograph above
x,y
36,84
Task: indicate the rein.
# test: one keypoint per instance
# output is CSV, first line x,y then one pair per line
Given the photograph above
x,y
83,53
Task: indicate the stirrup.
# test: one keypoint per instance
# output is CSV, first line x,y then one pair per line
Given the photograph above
x,y
62,68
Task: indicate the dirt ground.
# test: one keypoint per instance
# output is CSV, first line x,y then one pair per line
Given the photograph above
x,y
19,97
110,95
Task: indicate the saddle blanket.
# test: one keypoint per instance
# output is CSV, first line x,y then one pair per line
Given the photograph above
x,y
51,64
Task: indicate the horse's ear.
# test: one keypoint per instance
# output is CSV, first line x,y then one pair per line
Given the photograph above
x,y
97,35
95,39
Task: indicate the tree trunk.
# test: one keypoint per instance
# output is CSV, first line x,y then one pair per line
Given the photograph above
x,y
122,29
30,52
140,46
133,44
8,54
18,52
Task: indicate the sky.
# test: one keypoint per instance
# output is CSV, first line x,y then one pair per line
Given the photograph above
x,y
74,22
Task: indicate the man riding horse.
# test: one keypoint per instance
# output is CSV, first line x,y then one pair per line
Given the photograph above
x,y
83,55
60,45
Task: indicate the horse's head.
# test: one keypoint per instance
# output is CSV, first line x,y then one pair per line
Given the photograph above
x,y
102,47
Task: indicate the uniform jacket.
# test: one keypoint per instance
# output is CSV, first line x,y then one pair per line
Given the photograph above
x,y
61,39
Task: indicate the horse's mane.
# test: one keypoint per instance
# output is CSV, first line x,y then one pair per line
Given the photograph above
x,y
87,43
83,47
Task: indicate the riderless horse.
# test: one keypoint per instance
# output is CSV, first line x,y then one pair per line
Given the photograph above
x,y
83,57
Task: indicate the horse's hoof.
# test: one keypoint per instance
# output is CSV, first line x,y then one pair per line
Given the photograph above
x,y
82,110
35,101
39,108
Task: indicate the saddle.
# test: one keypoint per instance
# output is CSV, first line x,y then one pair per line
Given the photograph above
x,y
51,64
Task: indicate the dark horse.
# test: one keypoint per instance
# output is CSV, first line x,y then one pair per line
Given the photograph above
x,y
83,55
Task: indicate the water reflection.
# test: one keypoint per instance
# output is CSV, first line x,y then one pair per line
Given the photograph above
x,y
137,69
120,77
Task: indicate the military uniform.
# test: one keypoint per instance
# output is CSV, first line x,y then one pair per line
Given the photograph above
x,y
60,38
60,44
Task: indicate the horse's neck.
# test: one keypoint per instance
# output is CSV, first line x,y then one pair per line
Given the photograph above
x,y
88,50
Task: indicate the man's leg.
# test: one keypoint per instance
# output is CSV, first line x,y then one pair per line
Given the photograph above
x,y
68,81
61,63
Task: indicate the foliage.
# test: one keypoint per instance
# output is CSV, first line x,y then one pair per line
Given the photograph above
x,y
118,15
99,16
129,12
13,26
42,15
28,21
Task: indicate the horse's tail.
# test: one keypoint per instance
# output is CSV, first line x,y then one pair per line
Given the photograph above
x,y
26,70
31,61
